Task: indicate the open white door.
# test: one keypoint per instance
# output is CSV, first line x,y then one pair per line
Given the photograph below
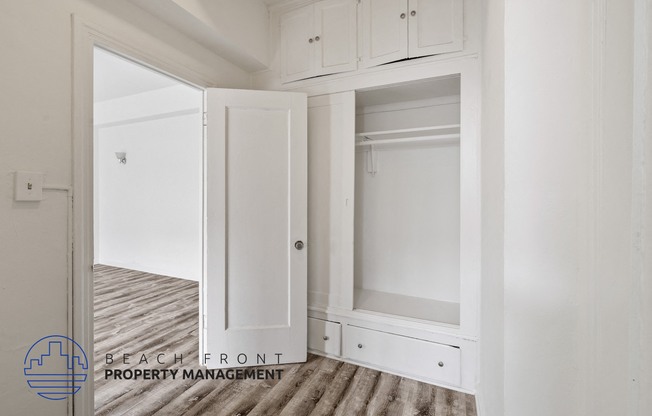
x,y
254,294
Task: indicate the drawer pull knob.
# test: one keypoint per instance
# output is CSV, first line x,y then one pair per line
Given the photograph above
x,y
441,364
326,338
359,345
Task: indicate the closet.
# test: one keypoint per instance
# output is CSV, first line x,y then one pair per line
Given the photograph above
x,y
407,201
393,226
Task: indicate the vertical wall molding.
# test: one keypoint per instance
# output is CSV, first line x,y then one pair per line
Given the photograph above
x,y
640,131
595,191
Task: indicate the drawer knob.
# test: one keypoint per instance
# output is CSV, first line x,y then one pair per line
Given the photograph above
x,y
441,364
359,345
326,338
402,15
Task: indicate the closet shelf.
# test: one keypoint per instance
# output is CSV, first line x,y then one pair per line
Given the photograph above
x,y
404,306
447,133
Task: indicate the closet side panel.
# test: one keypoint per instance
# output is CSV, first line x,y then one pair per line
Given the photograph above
x,y
330,200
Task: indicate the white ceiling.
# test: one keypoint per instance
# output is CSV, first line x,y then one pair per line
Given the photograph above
x,y
116,77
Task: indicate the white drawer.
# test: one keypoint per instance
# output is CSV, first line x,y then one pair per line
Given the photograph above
x,y
324,336
409,356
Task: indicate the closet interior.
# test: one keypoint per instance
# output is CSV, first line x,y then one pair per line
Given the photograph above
x,y
407,201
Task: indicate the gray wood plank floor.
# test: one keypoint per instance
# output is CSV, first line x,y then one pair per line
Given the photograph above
x,y
140,313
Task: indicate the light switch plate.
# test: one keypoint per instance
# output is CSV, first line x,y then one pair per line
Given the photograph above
x,y
29,186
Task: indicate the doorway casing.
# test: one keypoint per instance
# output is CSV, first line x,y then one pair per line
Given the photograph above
x,y
87,36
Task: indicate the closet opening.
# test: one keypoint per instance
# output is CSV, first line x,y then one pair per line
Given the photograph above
x,y
407,200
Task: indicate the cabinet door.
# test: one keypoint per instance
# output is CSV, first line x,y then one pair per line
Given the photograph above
x,y
297,44
435,26
384,31
335,36
253,295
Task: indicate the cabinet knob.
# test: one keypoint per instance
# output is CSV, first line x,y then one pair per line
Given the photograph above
x,y
402,15
326,338
441,364
299,245
359,345
310,40
316,38
413,13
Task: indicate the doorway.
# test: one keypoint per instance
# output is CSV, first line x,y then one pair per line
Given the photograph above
x,y
147,219
147,169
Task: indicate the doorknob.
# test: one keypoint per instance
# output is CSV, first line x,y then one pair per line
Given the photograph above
x,y
298,245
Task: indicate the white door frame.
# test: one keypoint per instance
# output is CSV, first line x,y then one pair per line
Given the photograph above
x,y
85,37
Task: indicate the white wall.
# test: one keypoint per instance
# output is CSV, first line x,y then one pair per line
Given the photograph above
x,y
547,126
575,290
35,134
490,391
245,23
148,211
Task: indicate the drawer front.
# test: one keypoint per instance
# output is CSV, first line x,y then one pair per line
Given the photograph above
x,y
410,356
325,336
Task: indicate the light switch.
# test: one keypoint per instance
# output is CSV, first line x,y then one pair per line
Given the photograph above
x,y
29,186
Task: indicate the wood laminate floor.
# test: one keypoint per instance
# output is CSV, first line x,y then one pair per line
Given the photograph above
x,y
140,313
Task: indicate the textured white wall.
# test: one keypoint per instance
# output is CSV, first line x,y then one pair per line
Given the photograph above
x,y
35,134
148,211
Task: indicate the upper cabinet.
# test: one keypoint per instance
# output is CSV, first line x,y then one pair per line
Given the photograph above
x,y
318,39
398,29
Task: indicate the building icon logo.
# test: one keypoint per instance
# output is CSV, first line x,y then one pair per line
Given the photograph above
x,y
55,367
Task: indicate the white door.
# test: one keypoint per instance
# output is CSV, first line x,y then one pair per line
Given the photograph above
x,y
435,26
297,44
254,307
384,31
336,36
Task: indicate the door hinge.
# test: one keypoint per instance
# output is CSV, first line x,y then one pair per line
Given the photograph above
x,y
205,119
204,325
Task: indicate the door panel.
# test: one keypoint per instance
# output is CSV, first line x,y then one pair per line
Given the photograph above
x,y
384,31
257,217
254,292
436,26
297,53
335,24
